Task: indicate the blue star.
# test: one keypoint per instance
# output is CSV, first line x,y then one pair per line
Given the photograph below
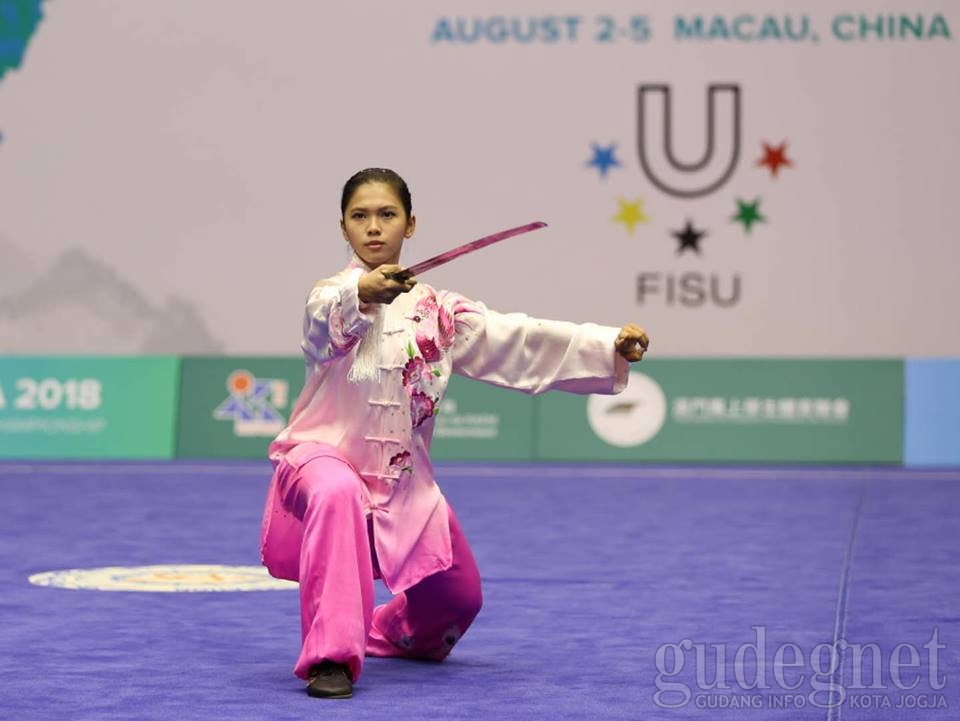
x,y
603,158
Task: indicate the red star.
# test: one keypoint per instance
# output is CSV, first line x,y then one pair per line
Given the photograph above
x,y
774,156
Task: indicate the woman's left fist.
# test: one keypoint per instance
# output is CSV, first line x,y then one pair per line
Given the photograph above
x,y
632,342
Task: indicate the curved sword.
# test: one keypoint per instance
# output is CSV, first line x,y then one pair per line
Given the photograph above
x,y
470,247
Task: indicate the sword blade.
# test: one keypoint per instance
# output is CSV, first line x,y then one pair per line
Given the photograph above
x,y
470,247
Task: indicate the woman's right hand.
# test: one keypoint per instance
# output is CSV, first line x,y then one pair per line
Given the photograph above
x,y
381,286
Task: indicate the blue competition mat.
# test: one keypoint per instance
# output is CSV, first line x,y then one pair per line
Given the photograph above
x,y
611,592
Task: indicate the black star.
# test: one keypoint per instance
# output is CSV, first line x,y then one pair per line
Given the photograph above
x,y
688,237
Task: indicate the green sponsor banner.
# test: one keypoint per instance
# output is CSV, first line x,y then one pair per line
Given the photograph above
x,y
87,407
234,407
734,410
477,421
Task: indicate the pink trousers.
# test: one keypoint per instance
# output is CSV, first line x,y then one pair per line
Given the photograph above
x,y
337,571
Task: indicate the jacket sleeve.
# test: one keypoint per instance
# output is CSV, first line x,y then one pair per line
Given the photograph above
x,y
531,355
335,318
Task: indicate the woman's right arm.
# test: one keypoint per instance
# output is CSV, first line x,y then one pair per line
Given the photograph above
x,y
335,318
341,308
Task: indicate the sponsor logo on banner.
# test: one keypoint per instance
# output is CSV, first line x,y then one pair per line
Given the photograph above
x,y
632,417
741,410
755,409
690,199
83,407
452,423
254,404
637,415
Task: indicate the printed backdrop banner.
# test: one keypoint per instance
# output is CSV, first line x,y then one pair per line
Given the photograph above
x,y
743,179
480,422
677,410
234,407
722,410
85,407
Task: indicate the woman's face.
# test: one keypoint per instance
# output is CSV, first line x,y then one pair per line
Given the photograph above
x,y
375,224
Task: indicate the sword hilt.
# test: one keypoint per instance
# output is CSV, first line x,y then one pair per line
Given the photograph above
x,y
401,276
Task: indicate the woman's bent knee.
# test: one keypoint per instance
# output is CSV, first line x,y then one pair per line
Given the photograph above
x,y
328,482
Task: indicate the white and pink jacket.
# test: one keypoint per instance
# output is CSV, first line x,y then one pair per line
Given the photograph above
x,y
383,427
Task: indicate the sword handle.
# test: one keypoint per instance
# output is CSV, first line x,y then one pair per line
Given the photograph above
x,y
400,277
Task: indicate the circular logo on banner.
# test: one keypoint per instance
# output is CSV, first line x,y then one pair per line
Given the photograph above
x,y
632,417
164,579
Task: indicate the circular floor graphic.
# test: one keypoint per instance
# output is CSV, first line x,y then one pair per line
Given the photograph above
x,y
164,579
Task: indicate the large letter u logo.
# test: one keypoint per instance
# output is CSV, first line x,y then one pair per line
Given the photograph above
x,y
655,141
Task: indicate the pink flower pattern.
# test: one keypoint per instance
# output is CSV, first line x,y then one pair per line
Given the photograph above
x,y
434,333
414,371
401,462
427,306
422,407
428,347
340,340
427,330
446,328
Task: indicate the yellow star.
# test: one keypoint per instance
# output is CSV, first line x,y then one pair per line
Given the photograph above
x,y
630,214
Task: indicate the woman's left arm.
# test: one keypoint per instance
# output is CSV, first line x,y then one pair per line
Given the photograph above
x,y
532,355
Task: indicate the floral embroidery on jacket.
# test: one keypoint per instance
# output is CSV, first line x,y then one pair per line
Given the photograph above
x,y
422,407
446,329
340,340
416,374
415,370
401,462
433,332
428,330
428,346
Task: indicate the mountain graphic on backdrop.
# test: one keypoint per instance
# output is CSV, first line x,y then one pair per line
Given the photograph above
x,y
81,305
16,269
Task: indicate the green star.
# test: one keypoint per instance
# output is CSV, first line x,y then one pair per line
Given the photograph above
x,y
748,214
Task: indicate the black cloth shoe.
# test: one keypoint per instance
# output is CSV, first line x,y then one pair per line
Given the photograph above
x,y
330,680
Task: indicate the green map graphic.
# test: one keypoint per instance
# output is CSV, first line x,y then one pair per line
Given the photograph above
x,y
18,22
